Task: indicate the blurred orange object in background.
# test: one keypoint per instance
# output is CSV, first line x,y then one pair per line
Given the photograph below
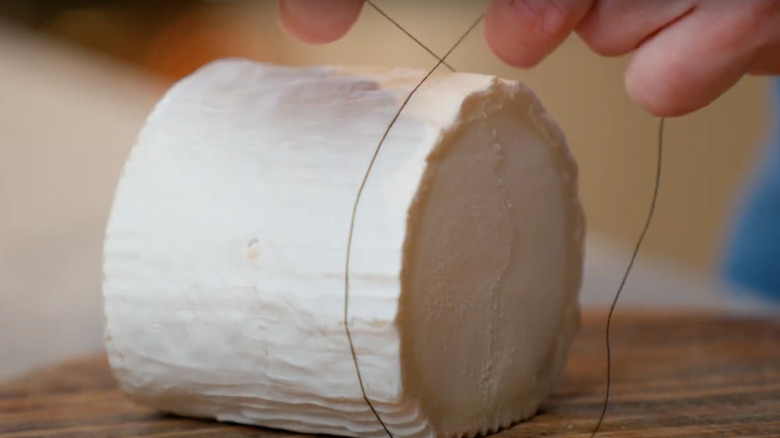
x,y
169,39
204,33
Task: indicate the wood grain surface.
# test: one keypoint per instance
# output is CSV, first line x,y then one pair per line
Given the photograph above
x,y
673,376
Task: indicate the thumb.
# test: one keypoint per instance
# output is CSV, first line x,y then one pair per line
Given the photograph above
x,y
318,21
523,32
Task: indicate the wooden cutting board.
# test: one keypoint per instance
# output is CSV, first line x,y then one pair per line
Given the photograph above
x,y
673,376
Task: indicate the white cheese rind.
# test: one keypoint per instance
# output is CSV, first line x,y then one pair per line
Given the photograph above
x,y
225,251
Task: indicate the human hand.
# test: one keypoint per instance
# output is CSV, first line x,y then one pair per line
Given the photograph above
x,y
685,53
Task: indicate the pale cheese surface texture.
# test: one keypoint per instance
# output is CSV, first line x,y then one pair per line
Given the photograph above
x,y
226,252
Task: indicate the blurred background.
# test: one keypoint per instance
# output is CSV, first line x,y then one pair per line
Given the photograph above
x,y
78,77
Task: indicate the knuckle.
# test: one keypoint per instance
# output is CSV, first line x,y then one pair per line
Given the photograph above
x,y
751,25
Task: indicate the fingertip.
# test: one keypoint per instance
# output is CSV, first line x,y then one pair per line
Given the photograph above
x,y
504,41
694,61
523,32
676,86
318,21
653,94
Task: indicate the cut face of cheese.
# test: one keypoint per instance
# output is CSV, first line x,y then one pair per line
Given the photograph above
x,y
226,252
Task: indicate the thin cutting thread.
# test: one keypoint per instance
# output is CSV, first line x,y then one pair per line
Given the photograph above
x,y
628,270
440,62
419,43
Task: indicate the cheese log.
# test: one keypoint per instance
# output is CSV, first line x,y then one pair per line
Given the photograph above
x,y
226,249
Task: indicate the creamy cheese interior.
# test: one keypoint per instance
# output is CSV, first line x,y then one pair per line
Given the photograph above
x,y
493,240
